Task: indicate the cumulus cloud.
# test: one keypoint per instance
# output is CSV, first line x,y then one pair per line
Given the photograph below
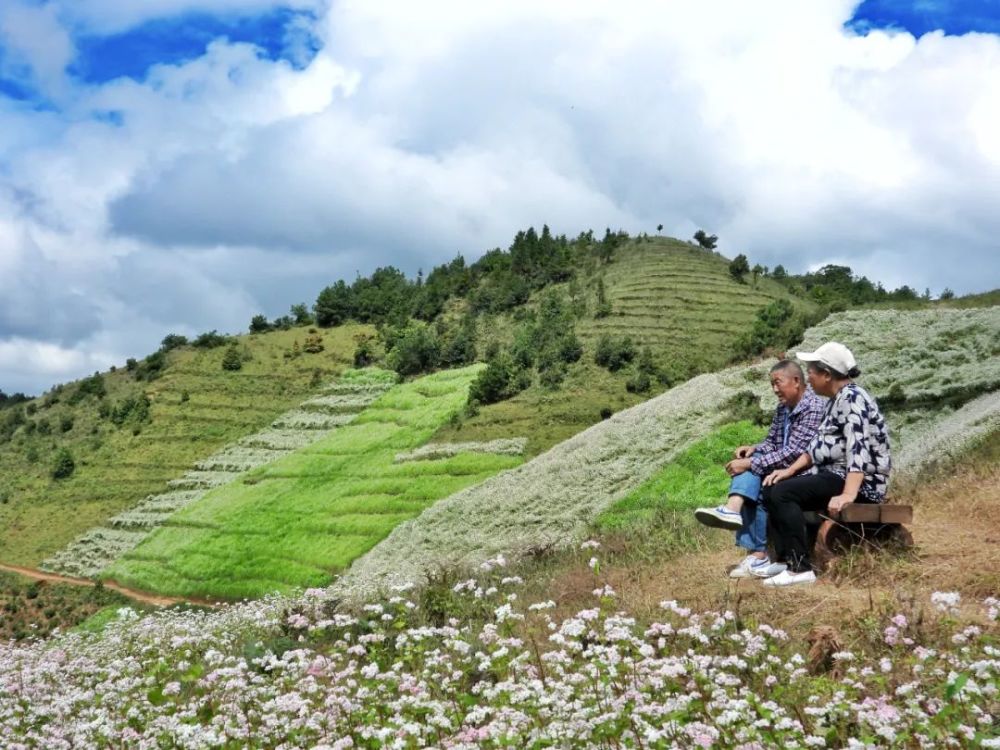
x,y
233,184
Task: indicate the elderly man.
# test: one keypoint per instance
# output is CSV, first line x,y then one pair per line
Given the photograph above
x,y
795,423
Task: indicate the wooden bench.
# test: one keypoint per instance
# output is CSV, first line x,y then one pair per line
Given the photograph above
x,y
879,525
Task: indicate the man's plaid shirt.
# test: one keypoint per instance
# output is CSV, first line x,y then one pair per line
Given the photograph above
x,y
804,422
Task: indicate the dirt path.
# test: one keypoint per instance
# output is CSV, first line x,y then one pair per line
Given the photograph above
x,y
140,596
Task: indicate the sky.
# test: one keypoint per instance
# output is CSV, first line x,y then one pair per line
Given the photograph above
x,y
177,166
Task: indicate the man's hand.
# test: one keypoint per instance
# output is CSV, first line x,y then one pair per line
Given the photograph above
x,y
837,502
778,476
744,451
738,466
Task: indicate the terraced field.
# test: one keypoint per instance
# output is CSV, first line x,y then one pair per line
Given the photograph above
x,y
195,408
306,516
680,300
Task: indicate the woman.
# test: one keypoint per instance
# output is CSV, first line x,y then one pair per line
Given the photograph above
x,y
850,454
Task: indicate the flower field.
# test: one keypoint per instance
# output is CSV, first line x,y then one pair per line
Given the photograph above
x,y
298,519
98,548
297,673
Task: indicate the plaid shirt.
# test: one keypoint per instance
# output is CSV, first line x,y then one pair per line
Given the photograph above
x,y
803,423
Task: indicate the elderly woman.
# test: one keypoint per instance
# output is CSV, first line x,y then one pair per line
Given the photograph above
x,y
850,456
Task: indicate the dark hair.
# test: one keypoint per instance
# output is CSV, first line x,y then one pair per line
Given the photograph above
x,y
820,367
788,364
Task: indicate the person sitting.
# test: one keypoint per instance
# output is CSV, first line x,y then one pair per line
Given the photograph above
x,y
794,425
849,455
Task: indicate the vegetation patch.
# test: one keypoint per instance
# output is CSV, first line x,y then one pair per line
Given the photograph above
x,y
304,517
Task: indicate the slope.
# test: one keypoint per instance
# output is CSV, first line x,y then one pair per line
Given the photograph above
x,y
141,433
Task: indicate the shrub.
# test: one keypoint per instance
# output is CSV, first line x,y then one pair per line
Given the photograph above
x,y
365,350
614,353
64,465
313,344
415,349
739,267
259,324
151,367
639,383
172,341
131,363
231,360
65,423
210,340
501,379
606,412
92,386
301,316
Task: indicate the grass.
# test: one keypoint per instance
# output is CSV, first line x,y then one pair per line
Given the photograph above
x,y
695,478
302,518
196,408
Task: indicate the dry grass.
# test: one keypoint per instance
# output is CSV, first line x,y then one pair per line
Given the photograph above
x,y
956,530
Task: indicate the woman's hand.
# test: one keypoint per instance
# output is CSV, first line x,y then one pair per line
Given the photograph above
x,y
837,502
778,476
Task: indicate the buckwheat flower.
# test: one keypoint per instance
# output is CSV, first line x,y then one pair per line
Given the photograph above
x,y
592,564
605,590
946,601
590,544
885,664
538,606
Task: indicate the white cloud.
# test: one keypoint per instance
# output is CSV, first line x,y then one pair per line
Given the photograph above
x,y
237,185
37,47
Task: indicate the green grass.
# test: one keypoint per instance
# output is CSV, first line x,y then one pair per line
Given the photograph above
x,y
301,519
117,466
695,478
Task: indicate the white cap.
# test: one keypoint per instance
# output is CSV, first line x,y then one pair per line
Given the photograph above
x,y
835,356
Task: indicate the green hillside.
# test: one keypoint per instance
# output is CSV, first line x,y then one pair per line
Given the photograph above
x,y
178,416
675,298
303,517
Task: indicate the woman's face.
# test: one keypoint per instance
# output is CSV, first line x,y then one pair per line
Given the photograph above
x,y
821,382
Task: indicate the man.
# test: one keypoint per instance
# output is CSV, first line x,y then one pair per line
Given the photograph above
x,y
795,423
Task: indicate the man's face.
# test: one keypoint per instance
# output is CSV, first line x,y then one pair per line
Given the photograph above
x,y
786,387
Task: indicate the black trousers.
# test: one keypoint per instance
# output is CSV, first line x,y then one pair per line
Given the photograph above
x,y
785,502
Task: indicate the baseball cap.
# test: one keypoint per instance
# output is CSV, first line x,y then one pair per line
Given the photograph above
x,y
835,356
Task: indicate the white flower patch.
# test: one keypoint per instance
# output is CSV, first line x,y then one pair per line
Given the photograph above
x,y
433,451
301,419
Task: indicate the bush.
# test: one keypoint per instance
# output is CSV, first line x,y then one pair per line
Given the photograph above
x,y
365,350
313,344
739,267
172,341
501,379
92,386
614,353
231,360
64,465
151,367
639,383
259,324
415,349
210,340
131,363
66,423
606,412
301,316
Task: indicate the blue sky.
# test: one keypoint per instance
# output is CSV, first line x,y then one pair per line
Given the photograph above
x,y
176,166
953,17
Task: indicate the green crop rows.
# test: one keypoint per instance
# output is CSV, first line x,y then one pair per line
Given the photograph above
x,y
302,518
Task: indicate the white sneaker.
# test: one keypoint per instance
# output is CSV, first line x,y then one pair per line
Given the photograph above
x,y
748,565
720,517
769,570
787,578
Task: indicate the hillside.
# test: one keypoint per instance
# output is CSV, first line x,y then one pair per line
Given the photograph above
x,y
144,431
675,298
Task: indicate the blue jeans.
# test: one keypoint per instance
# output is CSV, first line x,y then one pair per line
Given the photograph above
x,y
753,536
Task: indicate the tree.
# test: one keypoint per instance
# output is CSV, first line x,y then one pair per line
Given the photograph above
x,y
739,267
757,271
231,360
707,241
603,306
64,465
659,228
947,294
414,348
334,305
172,341
779,273
301,315
259,324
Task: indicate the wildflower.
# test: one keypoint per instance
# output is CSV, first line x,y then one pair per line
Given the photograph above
x,y
590,544
946,601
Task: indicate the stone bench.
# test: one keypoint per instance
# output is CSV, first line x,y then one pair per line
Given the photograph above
x,y
878,525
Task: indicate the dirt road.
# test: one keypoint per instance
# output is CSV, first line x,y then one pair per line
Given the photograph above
x,y
140,596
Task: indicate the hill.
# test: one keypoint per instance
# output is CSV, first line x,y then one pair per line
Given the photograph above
x,y
133,430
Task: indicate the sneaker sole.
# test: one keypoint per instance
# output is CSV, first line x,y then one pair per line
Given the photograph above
x,y
709,519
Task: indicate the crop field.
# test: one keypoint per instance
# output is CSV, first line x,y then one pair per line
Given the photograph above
x,y
196,408
99,547
300,519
